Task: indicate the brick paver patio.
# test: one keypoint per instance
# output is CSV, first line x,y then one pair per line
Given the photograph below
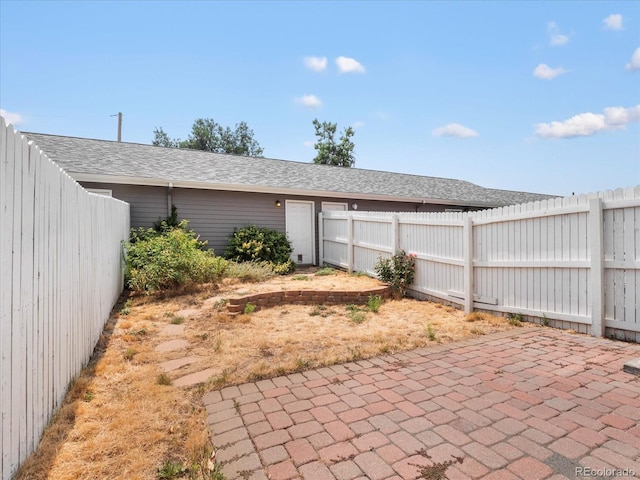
x,y
532,403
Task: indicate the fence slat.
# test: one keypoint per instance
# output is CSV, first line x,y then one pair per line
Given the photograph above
x,y
7,166
18,340
597,269
467,245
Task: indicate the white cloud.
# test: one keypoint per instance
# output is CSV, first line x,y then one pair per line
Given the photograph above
x,y
358,124
349,65
581,125
455,130
309,101
587,124
308,143
545,72
555,37
381,115
317,64
613,22
11,117
634,64
621,116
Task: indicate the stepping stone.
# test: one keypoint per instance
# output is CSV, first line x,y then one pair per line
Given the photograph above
x,y
172,345
189,312
198,377
172,365
172,330
632,366
212,300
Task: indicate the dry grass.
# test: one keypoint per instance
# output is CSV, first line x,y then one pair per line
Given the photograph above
x,y
120,421
117,422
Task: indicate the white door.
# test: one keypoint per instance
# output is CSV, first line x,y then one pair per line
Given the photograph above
x,y
299,217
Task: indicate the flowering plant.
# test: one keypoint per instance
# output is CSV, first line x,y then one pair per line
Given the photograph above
x,y
398,271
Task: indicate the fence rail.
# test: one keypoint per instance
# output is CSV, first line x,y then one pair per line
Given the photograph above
x,y
573,261
60,274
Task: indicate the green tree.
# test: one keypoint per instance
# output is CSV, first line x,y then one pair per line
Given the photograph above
x,y
161,139
210,136
329,151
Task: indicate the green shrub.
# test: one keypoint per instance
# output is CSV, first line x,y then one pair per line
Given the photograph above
x,y
169,260
284,268
374,302
163,379
515,320
162,227
252,244
398,271
250,271
325,271
171,469
356,314
431,333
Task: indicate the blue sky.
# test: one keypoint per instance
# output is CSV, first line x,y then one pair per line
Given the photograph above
x,y
533,96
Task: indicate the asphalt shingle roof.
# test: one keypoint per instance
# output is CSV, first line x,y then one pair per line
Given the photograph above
x,y
102,157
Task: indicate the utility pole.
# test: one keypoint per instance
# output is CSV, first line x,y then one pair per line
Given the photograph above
x,y
119,126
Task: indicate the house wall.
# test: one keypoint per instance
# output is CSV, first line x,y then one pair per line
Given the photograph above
x,y
147,203
214,214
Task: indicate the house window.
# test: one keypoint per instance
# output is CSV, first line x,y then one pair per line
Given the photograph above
x,y
334,206
100,191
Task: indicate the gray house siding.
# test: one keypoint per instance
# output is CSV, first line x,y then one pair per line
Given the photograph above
x,y
212,214
215,214
147,203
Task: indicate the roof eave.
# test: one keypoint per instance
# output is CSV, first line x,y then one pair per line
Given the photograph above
x,y
160,182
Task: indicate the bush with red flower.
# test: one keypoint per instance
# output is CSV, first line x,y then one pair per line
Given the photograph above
x,y
398,271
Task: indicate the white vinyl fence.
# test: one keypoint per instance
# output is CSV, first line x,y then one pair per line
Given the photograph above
x,y
60,274
573,262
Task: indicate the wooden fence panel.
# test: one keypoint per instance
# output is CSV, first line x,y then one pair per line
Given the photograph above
x,y
334,240
437,246
621,238
529,260
375,239
535,259
61,271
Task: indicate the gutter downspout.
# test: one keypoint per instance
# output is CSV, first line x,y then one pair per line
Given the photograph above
x,y
169,198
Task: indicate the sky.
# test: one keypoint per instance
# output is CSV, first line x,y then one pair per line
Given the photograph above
x,y
533,96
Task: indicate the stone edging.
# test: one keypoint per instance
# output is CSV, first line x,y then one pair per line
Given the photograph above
x,y
305,297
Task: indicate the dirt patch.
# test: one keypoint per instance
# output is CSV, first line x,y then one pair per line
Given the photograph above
x,y
124,419
308,280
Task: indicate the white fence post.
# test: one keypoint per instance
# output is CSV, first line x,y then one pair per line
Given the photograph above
x,y
395,232
320,239
596,234
350,244
467,248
